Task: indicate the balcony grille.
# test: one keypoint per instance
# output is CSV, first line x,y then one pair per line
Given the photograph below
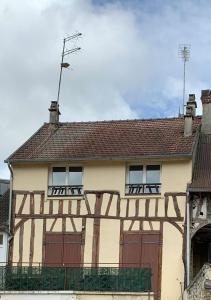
x,y
142,188
65,190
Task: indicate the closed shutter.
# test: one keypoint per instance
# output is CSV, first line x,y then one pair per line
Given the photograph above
x,y
72,250
143,250
53,250
63,249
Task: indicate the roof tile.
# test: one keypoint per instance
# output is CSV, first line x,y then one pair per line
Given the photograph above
x,y
107,139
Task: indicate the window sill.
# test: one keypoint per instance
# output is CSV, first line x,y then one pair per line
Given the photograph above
x,y
142,196
63,197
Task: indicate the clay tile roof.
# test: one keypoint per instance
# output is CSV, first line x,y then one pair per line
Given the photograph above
x,y
201,180
108,140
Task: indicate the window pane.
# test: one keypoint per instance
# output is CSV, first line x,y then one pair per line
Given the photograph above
x,y
136,174
153,174
59,175
75,175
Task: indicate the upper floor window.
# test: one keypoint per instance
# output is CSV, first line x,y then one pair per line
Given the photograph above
x,y
66,181
143,180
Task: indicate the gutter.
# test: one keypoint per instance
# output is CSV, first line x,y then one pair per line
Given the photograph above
x,y
188,240
104,158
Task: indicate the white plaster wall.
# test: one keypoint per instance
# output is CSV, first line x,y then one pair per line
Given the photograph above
x,y
36,296
73,296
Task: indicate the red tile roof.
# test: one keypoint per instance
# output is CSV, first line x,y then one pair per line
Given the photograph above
x,y
125,139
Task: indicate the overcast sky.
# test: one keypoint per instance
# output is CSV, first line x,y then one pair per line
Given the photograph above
x,y
128,66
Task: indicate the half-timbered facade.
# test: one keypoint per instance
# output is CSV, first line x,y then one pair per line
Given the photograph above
x,y
106,198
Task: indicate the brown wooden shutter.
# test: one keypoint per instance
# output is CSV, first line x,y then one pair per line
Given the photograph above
x,y
131,250
143,250
53,250
63,249
72,250
150,255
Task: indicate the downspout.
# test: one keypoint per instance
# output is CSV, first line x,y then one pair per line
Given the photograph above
x,y
188,241
10,206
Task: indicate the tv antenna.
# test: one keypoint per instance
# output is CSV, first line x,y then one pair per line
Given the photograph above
x,y
184,53
66,52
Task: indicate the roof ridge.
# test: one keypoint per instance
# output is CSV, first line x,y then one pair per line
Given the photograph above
x,y
125,120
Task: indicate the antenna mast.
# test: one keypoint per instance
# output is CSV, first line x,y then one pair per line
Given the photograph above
x,y
64,53
184,53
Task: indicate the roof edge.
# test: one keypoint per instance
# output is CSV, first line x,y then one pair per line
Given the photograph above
x,y
199,189
7,160
107,158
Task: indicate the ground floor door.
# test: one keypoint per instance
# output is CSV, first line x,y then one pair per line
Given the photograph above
x,y
63,249
141,250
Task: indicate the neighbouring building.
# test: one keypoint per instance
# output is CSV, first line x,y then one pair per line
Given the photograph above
x,y
113,209
4,220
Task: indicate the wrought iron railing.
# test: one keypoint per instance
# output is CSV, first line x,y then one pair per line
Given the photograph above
x,y
75,279
65,190
142,188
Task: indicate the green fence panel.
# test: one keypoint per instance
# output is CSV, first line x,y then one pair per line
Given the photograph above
x,y
75,279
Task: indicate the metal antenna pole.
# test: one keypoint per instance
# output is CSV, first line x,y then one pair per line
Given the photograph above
x,y
184,53
60,74
183,102
64,64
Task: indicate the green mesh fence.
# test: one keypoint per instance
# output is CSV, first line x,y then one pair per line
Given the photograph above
x,y
76,279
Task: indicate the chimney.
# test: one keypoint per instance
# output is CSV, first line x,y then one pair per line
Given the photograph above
x,y
192,103
190,114
54,112
206,112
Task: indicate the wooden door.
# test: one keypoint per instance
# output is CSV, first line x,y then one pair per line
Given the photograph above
x,y
143,250
63,249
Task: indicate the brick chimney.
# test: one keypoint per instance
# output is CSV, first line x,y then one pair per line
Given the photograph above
x,y
190,114
54,112
206,114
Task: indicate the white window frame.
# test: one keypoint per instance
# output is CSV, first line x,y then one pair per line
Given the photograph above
x,y
66,166
144,165
144,171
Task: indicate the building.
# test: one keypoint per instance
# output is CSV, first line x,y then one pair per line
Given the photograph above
x,y
4,220
107,209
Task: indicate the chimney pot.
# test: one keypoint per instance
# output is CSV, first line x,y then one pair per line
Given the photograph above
x,y
206,96
54,112
191,103
190,113
206,115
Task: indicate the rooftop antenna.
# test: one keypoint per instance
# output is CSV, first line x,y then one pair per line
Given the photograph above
x,y
64,53
184,53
